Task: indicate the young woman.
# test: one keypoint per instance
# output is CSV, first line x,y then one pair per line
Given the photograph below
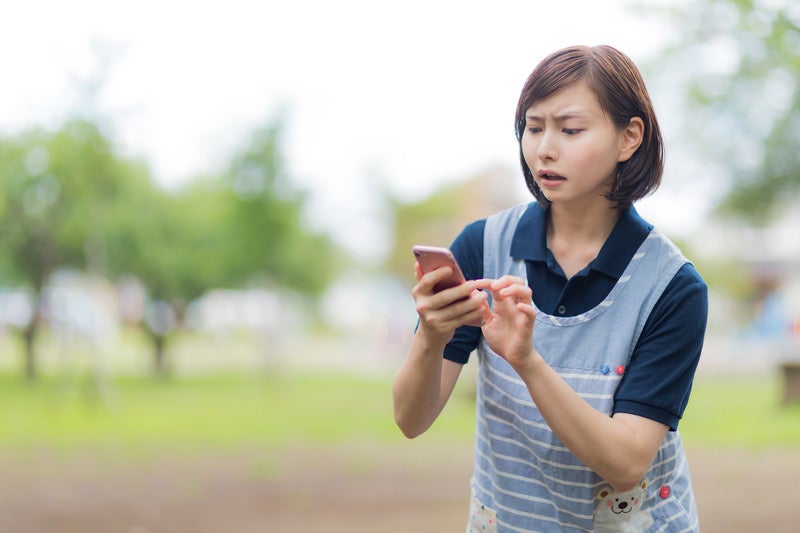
x,y
593,321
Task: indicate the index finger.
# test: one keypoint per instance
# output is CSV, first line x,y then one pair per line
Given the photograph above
x,y
483,284
506,281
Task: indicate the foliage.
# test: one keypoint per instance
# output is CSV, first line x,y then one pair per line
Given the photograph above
x,y
439,217
68,199
265,234
231,230
59,195
728,276
738,63
428,221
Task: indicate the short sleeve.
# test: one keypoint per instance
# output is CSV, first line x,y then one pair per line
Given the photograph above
x,y
659,377
468,251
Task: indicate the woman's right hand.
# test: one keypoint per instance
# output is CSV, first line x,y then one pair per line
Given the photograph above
x,y
442,312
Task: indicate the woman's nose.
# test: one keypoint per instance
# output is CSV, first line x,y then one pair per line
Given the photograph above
x,y
546,149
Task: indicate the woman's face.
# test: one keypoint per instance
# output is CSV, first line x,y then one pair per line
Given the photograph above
x,y
572,147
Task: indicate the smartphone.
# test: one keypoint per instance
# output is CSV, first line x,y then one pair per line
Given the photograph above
x,y
433,257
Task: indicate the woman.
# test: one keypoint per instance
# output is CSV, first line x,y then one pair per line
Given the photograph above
x,y
587,356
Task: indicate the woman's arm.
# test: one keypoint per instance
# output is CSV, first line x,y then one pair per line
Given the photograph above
x,y
425,381
621,448
421,390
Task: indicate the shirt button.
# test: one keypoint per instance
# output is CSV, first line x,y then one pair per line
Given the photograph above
x,y
664,492
605,370
561,309
620,370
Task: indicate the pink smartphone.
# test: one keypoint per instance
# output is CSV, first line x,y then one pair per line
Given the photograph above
x,y
433,257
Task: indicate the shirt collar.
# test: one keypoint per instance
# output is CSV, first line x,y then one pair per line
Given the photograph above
x,y
530,239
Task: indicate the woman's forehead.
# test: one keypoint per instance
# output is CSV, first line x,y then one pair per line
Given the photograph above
x,y
575,100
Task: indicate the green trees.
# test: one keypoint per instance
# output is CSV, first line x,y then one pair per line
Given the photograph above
x,y
264,230
745,103
439,217
68,199
58,193
241,228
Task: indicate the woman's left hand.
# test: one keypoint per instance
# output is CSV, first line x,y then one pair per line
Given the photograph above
x,y
509,328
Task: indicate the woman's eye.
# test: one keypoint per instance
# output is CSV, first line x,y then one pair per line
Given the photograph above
x,y
535,129
571,131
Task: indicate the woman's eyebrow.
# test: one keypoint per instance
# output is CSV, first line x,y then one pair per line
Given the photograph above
x,y
561,117
568,115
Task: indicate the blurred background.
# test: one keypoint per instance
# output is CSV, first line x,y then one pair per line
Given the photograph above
x,y
206,215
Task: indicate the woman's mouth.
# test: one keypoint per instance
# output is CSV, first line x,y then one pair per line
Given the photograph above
x,y
549,178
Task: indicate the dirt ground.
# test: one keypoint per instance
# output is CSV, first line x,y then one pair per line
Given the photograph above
x,y
415,487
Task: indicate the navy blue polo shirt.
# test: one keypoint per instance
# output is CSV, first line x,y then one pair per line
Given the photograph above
x,y
658,379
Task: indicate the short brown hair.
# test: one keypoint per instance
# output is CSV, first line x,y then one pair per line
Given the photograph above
x,y
622,95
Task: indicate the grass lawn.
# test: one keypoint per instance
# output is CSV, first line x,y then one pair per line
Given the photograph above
x,y
740,412
237,411
221,411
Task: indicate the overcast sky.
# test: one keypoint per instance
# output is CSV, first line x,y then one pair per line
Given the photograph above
x,y
414,93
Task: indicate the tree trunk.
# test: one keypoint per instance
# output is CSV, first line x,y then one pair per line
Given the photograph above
x,y
160,364
159,322
29,336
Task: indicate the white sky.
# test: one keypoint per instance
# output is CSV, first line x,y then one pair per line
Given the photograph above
x,y
413,92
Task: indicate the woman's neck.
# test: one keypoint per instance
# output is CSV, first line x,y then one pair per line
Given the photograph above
x,y
575,236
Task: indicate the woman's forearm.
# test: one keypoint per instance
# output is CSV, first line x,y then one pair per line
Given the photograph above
x,y
419,391
619,449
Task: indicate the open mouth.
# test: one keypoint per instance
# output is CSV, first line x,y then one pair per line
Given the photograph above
x,y
548,177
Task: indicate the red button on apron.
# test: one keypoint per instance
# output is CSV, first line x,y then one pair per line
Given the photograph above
x,y
664,492
620,370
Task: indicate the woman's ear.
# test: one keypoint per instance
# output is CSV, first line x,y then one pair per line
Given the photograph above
x,y
630,138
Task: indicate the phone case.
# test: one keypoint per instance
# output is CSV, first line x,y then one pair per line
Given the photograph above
x,y
433,257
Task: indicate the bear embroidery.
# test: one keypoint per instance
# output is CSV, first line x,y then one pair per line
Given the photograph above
x,y
621,512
